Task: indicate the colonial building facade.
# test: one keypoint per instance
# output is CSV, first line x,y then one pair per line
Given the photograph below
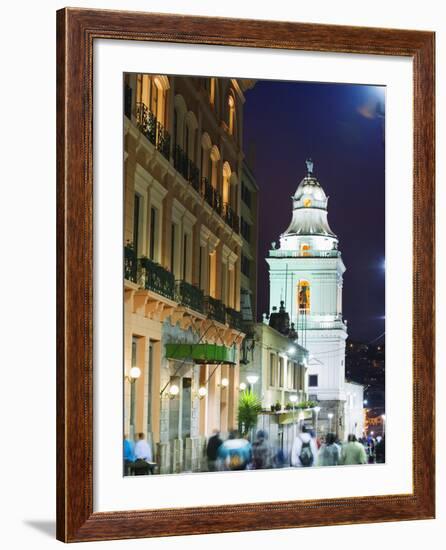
x,y
306,272
182,261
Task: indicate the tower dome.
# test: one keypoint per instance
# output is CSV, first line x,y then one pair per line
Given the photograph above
x,y
309,216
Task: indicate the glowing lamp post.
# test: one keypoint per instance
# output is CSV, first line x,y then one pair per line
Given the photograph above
x,y
252,379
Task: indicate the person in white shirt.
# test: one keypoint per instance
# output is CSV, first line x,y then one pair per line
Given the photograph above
x,y
142,449
304,451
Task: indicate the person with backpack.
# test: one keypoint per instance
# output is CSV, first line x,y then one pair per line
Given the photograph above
x,y
330,452
235,453
304,451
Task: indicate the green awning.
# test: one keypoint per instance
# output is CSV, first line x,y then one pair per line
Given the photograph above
x,y
202,353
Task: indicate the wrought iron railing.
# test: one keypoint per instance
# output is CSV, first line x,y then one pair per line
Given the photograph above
x,y
211,196
186,167
280,253
153,129
189,296
230,217
154,277
234,318
130,264
214,309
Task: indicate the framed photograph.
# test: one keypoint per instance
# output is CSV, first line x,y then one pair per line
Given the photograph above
x,y
245,275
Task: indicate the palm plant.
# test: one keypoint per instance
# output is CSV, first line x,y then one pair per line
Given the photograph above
x,y
249,408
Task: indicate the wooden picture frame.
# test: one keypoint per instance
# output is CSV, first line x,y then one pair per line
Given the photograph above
x,y
77,29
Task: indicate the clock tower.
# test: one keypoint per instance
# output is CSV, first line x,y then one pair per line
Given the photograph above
x,y
306,272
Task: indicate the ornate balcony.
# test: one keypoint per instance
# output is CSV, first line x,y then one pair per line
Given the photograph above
x,y
130,264
153,129
186,167
230,217
214,309
211,196
234,318
189,296
154,277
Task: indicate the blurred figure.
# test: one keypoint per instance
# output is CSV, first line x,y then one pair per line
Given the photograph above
x,y
212,447
330,452
304,451
353,452
129,455
262,453
370,448
380,451
143,455
235,453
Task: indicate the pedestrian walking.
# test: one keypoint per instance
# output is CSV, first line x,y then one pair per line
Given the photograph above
x,y
129,455
304,451
262,452
353,452
235,453
212,447
330,452
380,451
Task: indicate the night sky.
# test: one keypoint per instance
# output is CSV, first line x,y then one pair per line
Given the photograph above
x,y
341,128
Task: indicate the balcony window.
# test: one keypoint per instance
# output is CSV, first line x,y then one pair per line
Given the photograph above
x,y
246,230
246,195
245,266
313,380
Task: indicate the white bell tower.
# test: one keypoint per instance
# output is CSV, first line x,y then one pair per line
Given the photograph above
x,y
306,272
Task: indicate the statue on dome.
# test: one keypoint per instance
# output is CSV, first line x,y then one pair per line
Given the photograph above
x,y
309,164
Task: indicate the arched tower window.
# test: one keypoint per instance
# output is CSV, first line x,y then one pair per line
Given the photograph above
x,y
303,296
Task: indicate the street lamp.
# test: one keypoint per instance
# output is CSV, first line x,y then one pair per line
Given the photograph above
x,y
224,382
330,416
134,374
174,390
252,379
242,386
365,401
292,350
202,392
316,410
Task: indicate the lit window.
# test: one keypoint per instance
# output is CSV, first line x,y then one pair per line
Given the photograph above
x,y
303,296
231,114
313,381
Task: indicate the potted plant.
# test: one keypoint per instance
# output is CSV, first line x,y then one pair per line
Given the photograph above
x,y
249,408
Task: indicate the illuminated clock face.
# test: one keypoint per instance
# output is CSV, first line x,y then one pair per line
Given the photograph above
x,y
307,202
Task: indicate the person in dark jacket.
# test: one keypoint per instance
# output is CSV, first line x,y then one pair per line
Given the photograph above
x,y
380,451
212,450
